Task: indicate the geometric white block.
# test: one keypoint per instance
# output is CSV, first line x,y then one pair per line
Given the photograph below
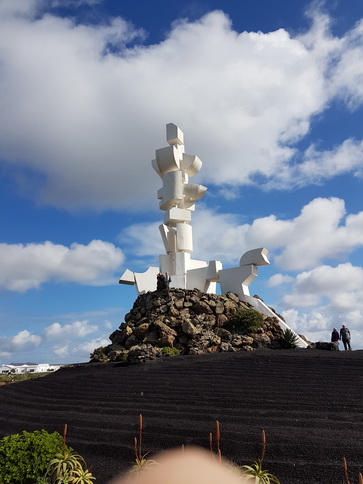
x,y
194,192
166,263
168,236
196,278
191,164
167,159
237,279
172,191
174,135
127,278
184,238
214,267
178,282
146,281
258,257
182,262
176,215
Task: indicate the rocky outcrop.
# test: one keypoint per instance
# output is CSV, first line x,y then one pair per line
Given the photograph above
x,y
179,321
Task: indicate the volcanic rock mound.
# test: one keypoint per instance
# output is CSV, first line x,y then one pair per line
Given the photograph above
x,y
180,321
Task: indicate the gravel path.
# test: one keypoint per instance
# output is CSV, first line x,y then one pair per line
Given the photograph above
x,y
309,402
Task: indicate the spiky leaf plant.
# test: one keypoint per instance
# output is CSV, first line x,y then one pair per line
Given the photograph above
x,y
260,476
82,476
288,340
67,468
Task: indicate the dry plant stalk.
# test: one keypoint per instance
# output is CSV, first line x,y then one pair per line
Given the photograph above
x,y
211,442
135,449
263,445
218,440
345,467
140,434
65,428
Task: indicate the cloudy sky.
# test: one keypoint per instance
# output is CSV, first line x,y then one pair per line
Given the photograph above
x,y
269,96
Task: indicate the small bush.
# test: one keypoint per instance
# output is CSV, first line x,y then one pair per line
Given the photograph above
x,y
245,321
27,456
167,351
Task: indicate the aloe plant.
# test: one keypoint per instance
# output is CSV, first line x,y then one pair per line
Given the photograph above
x,y
67,467
141,462
256,471
261,476
288,340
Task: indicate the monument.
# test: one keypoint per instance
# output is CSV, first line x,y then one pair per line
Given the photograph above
x,y
177,199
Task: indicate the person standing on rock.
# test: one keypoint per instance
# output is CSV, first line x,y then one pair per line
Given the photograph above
x,y
160,282
335,337
345,337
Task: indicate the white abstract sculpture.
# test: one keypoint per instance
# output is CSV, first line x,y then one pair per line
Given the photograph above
x,y
177,199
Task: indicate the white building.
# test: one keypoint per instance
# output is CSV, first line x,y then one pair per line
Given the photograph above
x,y
19,368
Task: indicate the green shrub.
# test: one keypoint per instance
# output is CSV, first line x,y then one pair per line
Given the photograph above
x,y
245,321
27,456
288,339
167,351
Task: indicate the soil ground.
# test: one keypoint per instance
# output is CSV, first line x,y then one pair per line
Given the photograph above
x,y
309,402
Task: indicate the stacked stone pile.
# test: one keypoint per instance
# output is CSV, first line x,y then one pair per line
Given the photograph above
x,y
187,322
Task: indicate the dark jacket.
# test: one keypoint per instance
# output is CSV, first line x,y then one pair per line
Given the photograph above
x,y
335,336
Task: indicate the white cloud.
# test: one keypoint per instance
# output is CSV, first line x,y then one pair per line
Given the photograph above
x,y
67,342
61,351
25,338
23,267
348,73
22,341
332,234
77,329
278,279
330,280
87,119
317,166
340,287
335,296
85,349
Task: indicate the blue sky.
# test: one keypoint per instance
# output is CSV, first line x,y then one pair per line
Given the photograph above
x,y
269,96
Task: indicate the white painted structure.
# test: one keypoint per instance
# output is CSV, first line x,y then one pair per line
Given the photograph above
x,y
28,368
177,199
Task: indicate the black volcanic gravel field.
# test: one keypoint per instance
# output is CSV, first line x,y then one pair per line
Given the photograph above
x,y
309,402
